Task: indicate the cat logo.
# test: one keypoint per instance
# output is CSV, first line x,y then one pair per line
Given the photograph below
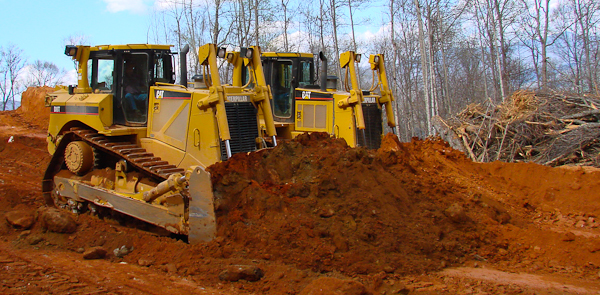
x,y
305,94
160,94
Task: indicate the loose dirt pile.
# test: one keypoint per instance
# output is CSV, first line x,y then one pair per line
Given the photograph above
x,y
313,213
316,203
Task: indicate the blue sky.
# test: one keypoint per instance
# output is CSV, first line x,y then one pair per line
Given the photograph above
x,y
40,27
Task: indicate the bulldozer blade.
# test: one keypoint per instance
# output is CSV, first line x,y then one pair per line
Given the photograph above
x,y
143,211
202,221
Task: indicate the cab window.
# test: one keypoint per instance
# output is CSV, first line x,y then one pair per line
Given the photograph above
x,y
282,89
101,73
305,73
162,68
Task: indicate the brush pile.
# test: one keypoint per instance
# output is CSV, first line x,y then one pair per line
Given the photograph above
x,y
550,129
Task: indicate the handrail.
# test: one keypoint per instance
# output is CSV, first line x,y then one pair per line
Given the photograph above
x,y
169,84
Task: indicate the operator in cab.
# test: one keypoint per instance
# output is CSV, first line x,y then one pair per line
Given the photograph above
x,y
136,95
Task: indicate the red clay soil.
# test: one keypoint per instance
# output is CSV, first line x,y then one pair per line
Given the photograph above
x,y
312,213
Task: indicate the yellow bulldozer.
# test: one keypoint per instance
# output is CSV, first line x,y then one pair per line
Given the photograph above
x,y
127,138
301,106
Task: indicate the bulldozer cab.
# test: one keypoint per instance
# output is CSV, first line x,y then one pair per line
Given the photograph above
x,y
127,74
285,72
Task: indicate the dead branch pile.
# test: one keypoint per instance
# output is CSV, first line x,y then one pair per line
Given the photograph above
x,y
549,129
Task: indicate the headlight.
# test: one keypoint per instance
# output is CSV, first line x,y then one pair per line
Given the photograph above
x,y
70,50
376,59
249,53
357,58
221,52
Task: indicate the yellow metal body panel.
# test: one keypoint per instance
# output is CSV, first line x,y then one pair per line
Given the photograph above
x,y
344,125
330,111
169,115
203,144
67,110
314,116
180,130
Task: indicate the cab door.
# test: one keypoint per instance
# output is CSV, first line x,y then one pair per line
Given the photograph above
x,y
282,88
134,90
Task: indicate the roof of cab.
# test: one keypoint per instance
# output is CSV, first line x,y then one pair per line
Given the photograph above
x,y
131,47
287,54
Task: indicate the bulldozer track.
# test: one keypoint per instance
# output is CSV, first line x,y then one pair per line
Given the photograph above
x,y
135,155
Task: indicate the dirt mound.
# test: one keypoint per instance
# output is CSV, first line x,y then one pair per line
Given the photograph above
x,y
354,211
33,109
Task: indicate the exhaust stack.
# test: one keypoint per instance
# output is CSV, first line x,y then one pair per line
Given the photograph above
x,y
183,65
323,71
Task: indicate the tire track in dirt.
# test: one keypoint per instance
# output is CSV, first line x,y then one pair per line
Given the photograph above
x,y
56,272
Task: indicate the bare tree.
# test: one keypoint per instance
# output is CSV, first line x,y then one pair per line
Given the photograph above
x,y
44,73
11,63
286,23
587,17
540,34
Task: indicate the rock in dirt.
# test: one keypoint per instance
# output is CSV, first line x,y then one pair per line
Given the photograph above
x,y
326,212
121,252
456,213
594,246
235,273
171,268
333,286
569,237
34,239
145,262
94,253
58,221
340,243
20,219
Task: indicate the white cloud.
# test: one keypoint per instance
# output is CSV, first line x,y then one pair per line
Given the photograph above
x,y
161,5
136,6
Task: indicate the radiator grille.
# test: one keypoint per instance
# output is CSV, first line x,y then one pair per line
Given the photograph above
x,y
373,126
243,128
